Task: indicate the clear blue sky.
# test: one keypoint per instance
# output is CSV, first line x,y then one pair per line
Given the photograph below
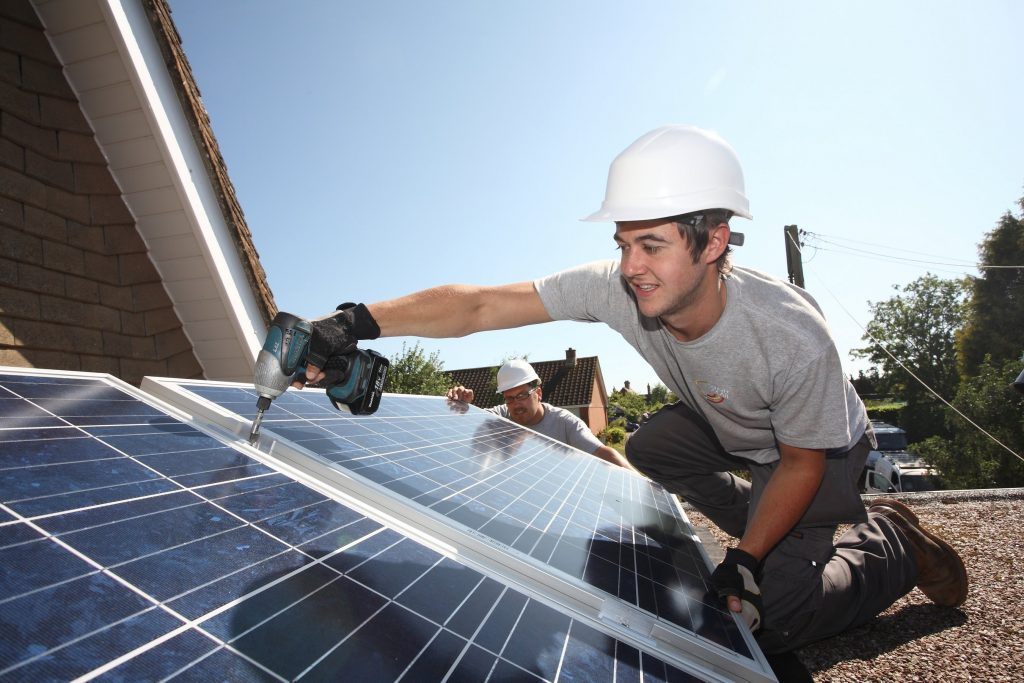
x,y
380,148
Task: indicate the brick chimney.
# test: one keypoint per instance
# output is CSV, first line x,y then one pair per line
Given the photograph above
x,y
570,358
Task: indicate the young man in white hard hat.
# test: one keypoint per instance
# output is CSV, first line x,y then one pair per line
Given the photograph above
x,y
760,383
519,385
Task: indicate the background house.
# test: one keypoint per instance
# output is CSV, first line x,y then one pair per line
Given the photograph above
x,y
122,246
575,384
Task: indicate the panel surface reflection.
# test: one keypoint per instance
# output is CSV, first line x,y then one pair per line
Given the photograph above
x,y
573,512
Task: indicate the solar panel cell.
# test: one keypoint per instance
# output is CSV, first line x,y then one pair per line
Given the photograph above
x,y
50,447
396,568
208,598
139,534
478,665
440,590
186,650
536,641
47,490
48,631
16,414
472,612
380,650
438,659
32,562
322,524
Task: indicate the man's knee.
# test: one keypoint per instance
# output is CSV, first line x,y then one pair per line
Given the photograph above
x,y
636,450
656,457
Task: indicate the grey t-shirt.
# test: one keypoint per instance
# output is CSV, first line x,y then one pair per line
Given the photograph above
x,y
767,371
561,425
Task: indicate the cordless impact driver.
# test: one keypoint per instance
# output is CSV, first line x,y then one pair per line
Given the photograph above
x,y
355,380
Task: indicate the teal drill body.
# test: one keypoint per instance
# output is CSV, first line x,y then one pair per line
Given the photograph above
x,y
355,381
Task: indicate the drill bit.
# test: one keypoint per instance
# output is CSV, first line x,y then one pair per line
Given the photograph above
x,y
261,407
282,356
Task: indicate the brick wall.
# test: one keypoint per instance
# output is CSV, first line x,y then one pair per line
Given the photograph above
x,y
77,288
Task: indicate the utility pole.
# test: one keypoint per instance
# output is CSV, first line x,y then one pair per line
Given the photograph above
x,y
794,261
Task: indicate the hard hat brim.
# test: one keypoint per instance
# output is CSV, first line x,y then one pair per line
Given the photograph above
x,y
603,215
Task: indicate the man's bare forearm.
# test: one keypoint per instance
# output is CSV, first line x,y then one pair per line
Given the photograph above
x,y
785,499
611,455
458,310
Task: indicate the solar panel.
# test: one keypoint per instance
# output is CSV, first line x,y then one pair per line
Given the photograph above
x,y
606,543
138,543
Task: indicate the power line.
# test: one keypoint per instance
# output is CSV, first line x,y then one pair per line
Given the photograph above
x,y
845,249
839,239
946,261
909,371
884,257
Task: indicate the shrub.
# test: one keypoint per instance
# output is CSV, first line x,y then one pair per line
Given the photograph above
x,y
613,435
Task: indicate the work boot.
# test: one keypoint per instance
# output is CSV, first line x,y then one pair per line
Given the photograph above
x,y
941,574
898,507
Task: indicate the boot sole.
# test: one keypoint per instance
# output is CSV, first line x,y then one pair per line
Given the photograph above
x,y
961,569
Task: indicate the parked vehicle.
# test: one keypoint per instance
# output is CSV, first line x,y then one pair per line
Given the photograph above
x,y
880,475
891,439
920,479
914,474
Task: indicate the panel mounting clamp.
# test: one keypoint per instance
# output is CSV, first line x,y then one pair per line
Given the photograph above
x,y
622,616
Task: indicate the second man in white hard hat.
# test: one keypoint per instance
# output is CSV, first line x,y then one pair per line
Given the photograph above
x,y
520,386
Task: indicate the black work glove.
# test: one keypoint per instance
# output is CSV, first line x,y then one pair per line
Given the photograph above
x,y
735,576
336,334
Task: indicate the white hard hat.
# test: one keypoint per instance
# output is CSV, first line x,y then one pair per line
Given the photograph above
x,y
514,373
671,171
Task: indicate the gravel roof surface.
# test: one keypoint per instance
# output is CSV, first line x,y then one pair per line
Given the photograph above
x,y
915,640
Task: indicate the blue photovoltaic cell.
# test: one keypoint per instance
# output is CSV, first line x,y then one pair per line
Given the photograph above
x,y
596,522
134,547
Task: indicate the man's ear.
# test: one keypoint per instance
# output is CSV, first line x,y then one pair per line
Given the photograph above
x,y
718,242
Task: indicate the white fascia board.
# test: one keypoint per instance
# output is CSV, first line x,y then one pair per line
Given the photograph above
x,y
144,60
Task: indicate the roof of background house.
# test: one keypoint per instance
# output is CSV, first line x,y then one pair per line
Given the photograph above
x,y
574,385
125,63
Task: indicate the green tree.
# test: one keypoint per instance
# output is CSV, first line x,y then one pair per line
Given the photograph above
x,y
918,326
413,372
633,405
995,313
867,383
660,395
970,459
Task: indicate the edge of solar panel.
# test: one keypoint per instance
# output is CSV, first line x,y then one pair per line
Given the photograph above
x,y
166,416
618,618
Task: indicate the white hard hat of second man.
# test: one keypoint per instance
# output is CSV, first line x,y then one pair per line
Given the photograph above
x,y
515,373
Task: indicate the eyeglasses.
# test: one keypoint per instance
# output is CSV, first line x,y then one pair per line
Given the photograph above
x,y
520,397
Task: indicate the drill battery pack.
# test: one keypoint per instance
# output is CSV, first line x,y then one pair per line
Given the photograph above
x,y
359,385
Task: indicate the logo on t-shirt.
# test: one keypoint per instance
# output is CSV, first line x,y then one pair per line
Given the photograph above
x,y
712,393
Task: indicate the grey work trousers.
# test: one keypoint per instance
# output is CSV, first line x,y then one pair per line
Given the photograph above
x,y
811,587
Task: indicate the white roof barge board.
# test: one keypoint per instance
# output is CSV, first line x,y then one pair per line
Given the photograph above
x,y
113,62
